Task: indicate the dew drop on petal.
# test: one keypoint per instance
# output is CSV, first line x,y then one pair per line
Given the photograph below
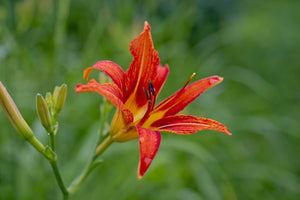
x,y
142,139
147,160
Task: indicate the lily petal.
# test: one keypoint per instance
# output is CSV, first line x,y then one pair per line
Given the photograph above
x,y
149,143
180,99
143,67
187,124
109,91
161,76
114,71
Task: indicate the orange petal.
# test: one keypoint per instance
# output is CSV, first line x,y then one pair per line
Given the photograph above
x,y
161,76
187,124
109,91
149,143
179,100
114,71
143,66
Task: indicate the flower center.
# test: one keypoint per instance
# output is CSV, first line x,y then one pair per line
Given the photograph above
x,y
150,94
151,97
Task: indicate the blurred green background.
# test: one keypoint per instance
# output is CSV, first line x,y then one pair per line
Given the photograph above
x,y
254,45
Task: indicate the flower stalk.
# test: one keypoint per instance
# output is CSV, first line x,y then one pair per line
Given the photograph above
x,y
27,134
105,109
59,179
48,111
91,165
103,146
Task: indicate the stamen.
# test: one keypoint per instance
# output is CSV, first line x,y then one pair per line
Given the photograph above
x,y
151,88
150,95
189,80
146,93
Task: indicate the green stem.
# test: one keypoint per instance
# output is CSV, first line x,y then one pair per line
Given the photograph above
x,y
105,108
59,179
78,181
92,165
54,161
103,146
53,130
52,142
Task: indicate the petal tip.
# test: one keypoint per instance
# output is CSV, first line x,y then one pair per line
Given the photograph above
x,y
139,177
77,87
140,174
146,26
86,73
216,79
226,131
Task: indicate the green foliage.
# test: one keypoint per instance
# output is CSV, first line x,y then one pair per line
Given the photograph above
x,y
254,45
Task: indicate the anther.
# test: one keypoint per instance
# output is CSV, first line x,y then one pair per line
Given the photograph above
x,y
151,88
150,95
146,93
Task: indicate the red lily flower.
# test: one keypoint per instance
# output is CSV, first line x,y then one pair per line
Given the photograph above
x,y
134,93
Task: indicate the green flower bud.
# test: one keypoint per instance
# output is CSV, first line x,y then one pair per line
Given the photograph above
x,y
59,97
49,99
14,114
43,112
55,93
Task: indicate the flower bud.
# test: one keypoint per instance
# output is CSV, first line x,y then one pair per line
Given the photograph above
x,y
14,115
43,112
55,92
49,99
59,97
